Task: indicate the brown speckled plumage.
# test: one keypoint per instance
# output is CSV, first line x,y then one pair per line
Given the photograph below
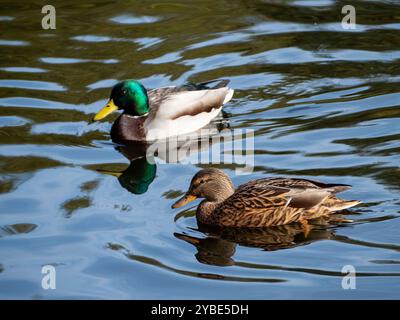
x,y
263,202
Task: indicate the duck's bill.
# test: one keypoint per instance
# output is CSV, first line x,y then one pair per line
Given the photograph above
x,y
184,200
109,108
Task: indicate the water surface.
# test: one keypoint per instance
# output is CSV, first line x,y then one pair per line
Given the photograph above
x,y
323,102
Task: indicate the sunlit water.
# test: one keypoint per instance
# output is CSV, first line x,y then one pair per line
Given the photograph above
x,y
324,104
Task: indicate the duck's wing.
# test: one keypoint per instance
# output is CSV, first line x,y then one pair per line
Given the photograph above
x,y
179,111
258,203
302,184
158,95
255,206
306,184
296,196
251,195
303,193
191,103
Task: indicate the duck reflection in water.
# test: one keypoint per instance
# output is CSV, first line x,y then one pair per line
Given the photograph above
x,y
137,177
141,171
219,245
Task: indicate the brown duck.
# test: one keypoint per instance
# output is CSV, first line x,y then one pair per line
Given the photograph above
x,y
263,202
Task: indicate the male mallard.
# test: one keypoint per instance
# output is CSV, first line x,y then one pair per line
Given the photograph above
x,y
263,202
164,112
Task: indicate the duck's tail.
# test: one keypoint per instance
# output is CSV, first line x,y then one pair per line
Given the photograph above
x,y
222,83
336,204
228,96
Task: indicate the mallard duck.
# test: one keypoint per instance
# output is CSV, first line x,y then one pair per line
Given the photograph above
x,y
263,202
161,113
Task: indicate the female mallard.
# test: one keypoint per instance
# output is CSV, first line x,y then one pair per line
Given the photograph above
x,y
164,112
261,203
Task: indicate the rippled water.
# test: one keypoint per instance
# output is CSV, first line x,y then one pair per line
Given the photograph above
x,y
324,104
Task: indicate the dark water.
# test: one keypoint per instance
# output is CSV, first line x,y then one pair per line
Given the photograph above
x,y
324,104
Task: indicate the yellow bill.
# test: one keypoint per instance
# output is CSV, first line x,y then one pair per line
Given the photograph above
x,y
108,109
184,200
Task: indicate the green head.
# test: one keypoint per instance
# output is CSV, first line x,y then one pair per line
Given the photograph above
x,y
130,96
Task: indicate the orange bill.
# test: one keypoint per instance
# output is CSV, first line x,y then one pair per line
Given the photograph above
x,y
184,200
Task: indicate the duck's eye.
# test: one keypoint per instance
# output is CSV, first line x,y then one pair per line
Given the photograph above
x,y
198,183
123,92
